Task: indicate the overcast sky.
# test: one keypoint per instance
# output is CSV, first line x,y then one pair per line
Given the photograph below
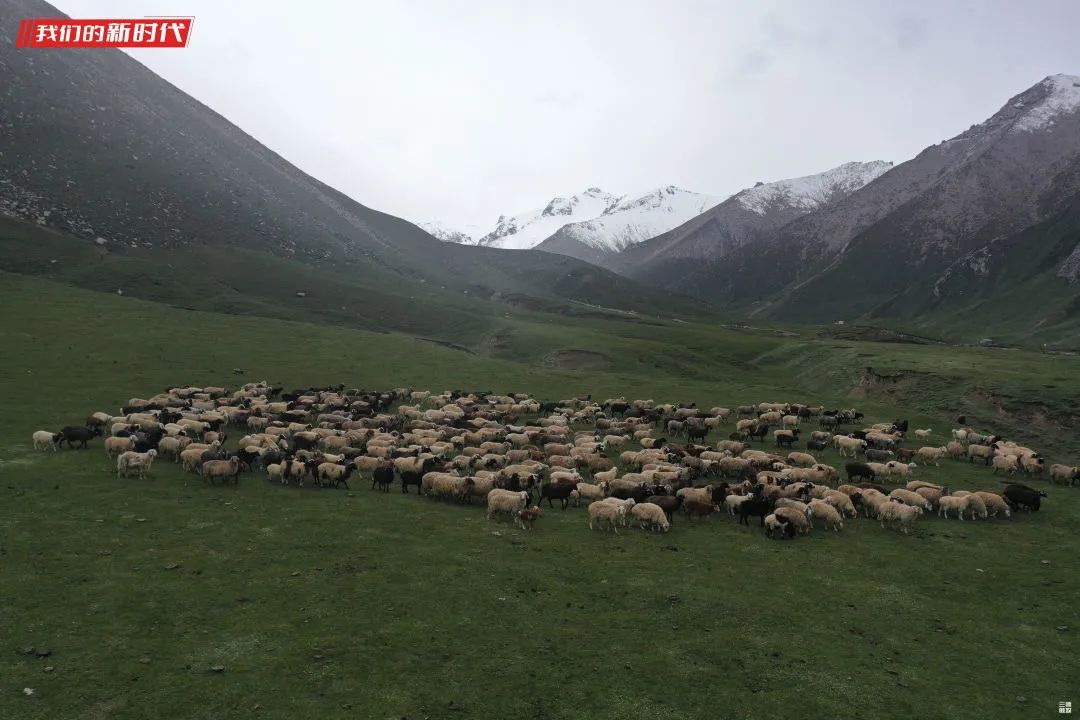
x,y
460,111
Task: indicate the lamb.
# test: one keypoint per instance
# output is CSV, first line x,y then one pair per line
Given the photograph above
x,y
773,525
899,515
139,462
506,501
923,434
953,503
43,439
995,504
651,516
732,502
828,513
526,517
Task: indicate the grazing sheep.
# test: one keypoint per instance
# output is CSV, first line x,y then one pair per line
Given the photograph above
x,y
931,454
800,459
923,434
827,513
794,518
139,462
43,440
899,515
995,504
651,516
957,503
694,507
843,504
505,501
983,452
909,497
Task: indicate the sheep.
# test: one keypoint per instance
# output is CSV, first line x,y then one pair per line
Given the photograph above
x,y
773,525
957,503
589,492
224,469
828,513
694,507
43,439
895,514
651,516
846,445
932,494
984,452
792,503
923,434
601,512
1065,473
872,501
328,472
131,460
898,468
1005,464
526,517
170,446
795,518
977,506
841,502
732,502
931,454
909,497
995,504
505,501
800,459
785,438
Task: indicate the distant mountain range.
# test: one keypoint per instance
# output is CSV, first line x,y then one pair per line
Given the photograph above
x,y
976,236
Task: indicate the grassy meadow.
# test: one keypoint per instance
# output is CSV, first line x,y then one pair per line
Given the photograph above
x,y
344,604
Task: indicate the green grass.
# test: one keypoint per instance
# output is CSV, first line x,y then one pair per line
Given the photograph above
x,y
336,604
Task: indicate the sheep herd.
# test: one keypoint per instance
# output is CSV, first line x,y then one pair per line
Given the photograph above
x,y
633,462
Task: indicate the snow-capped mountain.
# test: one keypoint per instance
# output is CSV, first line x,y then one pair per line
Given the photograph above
x,y
745,218
633,219
529,229
465,236
812,191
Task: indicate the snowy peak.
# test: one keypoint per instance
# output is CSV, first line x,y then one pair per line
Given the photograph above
x,y
448,234
812,191
1043,104
528,229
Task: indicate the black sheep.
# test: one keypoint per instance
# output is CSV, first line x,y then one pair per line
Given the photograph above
x,y
859,470
756,505
558,491
668,503
410,477
1023,497
77,434
383,477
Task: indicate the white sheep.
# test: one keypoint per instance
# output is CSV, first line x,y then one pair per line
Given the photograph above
x,y
131,460
895,514
958,503
829,514
115,446
505,501
923,434
651,515
43,439
995,504
601,512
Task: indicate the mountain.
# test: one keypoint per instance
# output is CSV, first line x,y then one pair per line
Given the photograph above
x,y
949,231
98,148
976,234
446,233
628,222
744,219
529,229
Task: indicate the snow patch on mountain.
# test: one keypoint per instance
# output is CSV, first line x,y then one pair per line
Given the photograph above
x,y
465,236
1062,96
525,231
637,218
812,191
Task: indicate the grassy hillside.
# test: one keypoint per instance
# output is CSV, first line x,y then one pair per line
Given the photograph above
x,y
345,604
